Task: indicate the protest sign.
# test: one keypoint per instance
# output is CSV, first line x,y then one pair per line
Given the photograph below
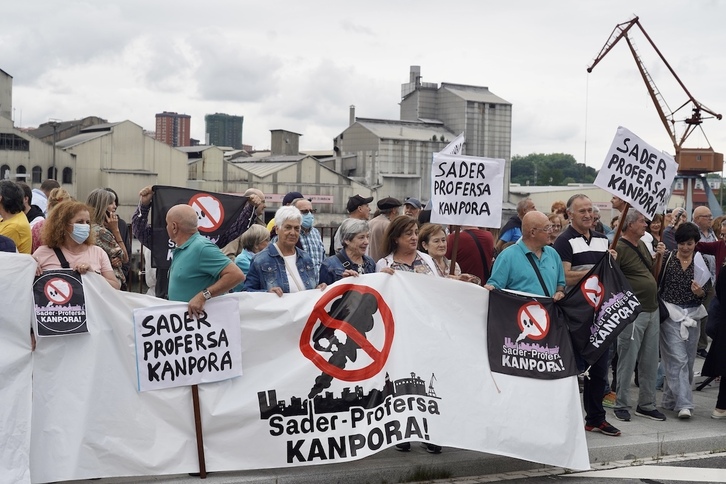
x,y
216,212
638,173
456,147
526,337
175,349
409,374
60,306
467,190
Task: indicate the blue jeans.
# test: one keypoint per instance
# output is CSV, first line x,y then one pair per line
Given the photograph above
x,y
638,342
678,357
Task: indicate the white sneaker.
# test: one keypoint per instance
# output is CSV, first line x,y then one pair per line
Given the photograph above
x,y
718,413
684,413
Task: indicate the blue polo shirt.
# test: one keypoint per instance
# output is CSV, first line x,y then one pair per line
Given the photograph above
x,y
512,270
196,265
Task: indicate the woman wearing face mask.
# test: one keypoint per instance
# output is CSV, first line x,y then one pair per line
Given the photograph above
x,y
69,243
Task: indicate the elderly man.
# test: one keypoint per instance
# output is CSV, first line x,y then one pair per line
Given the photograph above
x,y
199,270
639,342
580,248
520,266
310,238
512,230
358,208
703,218
389,208
14,223
412,207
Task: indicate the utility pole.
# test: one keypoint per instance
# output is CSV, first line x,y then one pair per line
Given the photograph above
x,y
54,123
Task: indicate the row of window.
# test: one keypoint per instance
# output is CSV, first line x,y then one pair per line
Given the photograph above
x,y
21,174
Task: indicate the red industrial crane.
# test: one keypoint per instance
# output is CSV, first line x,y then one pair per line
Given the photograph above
x,y
690,160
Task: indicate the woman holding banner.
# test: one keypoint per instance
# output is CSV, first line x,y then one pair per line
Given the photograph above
x,y
282,267
351,260
432,241
401,242
69,243
683,296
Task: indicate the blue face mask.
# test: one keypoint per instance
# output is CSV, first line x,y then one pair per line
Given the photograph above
x,y
80,233
307,220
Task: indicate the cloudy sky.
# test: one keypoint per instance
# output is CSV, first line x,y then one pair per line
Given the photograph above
x,y
299,65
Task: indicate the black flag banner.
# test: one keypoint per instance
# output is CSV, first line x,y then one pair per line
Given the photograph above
x,y
215,212
598,308
526,338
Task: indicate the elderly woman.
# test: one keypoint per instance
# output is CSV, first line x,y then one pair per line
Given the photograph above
x,y
432,241
254,240
679,333
104,225
69,243
281,267
558,223
401,242
351,260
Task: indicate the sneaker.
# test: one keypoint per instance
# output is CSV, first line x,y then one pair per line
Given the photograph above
x,y
702,353
404,447
684,413
604,428
432,448
651,414
718,413
608,401
622,414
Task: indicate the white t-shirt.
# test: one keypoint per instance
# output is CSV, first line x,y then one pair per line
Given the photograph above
x,y
293,275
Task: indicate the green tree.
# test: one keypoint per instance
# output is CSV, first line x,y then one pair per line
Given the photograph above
x,y
550,169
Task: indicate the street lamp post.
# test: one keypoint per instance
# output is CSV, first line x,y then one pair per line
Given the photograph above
x,y
54,172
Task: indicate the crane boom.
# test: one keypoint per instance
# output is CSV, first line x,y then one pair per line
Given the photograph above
x,y
665,114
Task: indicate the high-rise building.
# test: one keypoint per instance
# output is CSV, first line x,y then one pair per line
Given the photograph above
x,y
224,130
173,128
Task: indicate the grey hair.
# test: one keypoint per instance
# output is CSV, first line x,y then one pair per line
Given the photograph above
x,y
630,218
522,204
286,214
350,228
254,236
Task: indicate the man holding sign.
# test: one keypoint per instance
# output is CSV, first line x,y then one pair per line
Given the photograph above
x,y
199,269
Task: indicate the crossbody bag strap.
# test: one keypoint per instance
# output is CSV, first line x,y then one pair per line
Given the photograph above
x,y
530,258
342,259
61,258
484,263
640,254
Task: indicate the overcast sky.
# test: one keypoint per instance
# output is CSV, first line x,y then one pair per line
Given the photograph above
x,y
299,65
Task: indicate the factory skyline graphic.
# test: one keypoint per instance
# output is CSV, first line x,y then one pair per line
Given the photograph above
x,y
414,385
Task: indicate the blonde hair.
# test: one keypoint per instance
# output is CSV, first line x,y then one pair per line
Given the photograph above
x,y
56,196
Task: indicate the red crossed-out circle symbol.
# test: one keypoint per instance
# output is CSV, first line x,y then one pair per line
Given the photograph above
x,y
58,291
210,212
533,320
593,291
319,314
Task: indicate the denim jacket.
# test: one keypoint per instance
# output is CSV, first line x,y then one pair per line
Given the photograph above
x,y
268,270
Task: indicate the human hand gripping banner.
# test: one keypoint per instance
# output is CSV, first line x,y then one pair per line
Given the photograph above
x,y
598,308
527,337
328,376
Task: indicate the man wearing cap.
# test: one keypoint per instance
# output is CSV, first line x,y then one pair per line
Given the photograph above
x,y
412,207
389,208
357,208
286,200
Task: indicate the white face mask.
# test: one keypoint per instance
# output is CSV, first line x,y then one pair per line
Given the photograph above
x,y
80,233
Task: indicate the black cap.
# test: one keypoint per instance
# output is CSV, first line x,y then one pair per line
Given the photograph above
x,y
287,200
388,203
356,201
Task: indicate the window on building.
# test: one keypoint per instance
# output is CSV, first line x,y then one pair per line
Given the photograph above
x,y
4,172
52,173
21,173
37,174
13,142
67,175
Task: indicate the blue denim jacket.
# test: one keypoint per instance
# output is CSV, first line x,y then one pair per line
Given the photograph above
x,y
268,270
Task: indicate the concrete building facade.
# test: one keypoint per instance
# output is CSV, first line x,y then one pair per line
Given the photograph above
x,y
173,129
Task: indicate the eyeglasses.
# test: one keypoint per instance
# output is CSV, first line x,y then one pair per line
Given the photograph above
x,y
312,210
546,228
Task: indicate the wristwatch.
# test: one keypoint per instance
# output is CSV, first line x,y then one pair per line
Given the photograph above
x,y
207,295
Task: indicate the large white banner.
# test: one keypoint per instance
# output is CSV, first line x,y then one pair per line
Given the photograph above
x,y
329,376
467,190
16,314
638,173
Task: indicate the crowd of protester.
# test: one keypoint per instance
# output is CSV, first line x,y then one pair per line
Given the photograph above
x,y
672,263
